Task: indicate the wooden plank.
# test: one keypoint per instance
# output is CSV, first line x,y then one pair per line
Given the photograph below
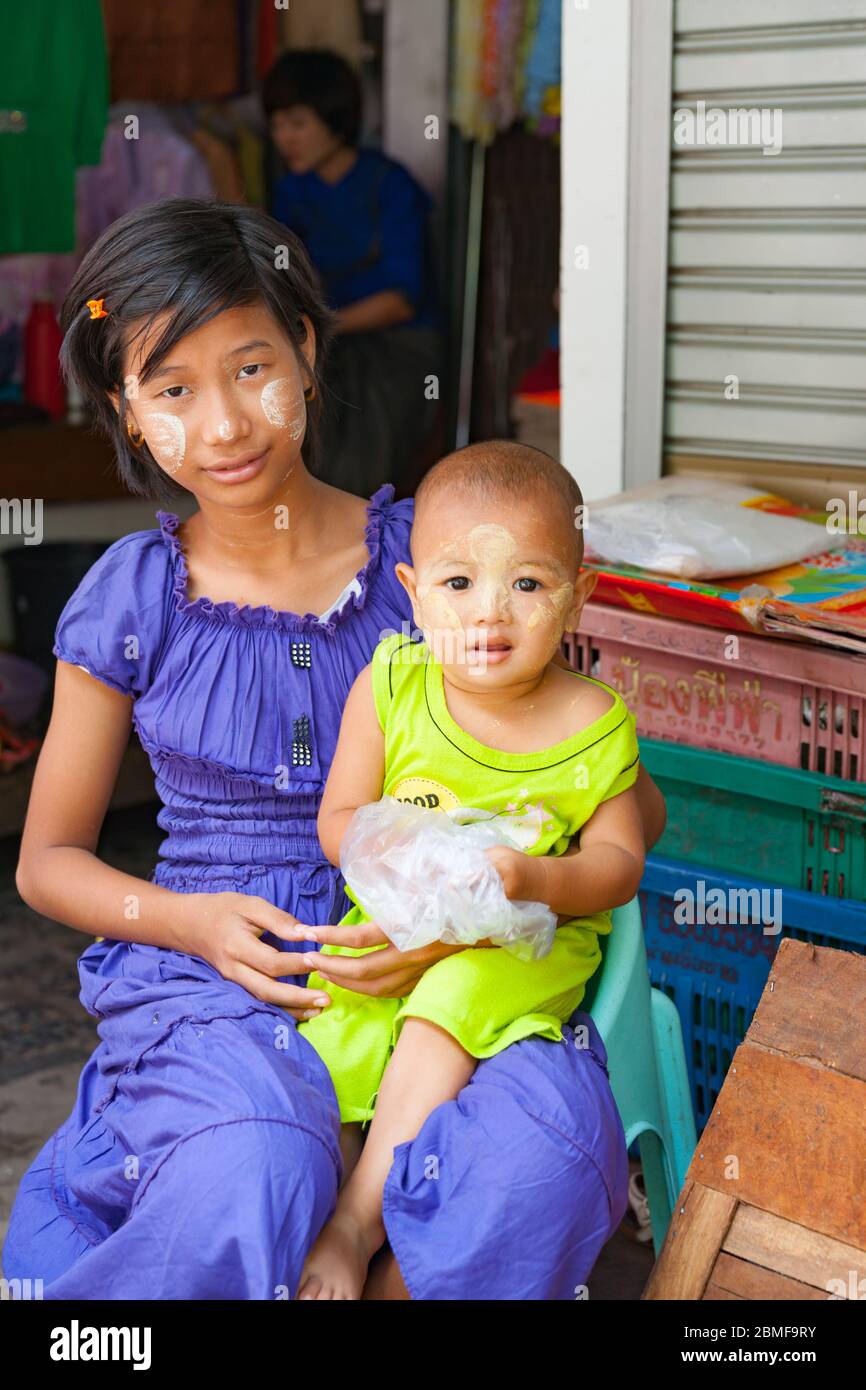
x,y
793,1250
698,1227
714,1294
739,1278
789,1136
813,1006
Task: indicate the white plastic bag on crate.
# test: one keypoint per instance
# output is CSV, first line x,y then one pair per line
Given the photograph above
x,y
423,876
698,528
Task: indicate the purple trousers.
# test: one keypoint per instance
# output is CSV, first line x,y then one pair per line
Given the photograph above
x,y
202,1158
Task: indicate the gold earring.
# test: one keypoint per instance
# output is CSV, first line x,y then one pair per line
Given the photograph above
x,y
136,437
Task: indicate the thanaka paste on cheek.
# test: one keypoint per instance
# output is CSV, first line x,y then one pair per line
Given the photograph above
x,y
541,613
284,406
434,608
166,439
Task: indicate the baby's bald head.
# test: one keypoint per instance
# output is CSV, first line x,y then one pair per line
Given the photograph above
x,y
504,471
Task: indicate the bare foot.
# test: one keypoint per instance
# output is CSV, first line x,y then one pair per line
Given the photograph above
x,y
336,1267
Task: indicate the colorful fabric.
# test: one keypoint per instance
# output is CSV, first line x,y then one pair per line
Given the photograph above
x,y
506,62
466,49
510,18
544,64
486,999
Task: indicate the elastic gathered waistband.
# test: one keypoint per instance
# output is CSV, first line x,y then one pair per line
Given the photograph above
x,y
241,851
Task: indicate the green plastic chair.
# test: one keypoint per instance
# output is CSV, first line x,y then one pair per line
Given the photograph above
x,y
641,1030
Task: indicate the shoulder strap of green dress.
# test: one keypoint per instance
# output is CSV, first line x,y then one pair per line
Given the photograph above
x,y
392,659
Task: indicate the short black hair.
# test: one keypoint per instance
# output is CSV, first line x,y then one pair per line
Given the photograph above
x,y
192,258
321,79
495,468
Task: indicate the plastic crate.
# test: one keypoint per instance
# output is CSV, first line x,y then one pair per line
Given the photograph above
x,y
783,826
784,702
715,973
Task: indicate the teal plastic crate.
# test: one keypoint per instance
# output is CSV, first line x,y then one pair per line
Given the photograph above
x,y
737,815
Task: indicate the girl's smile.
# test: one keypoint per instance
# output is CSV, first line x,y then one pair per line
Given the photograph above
x,y
240,470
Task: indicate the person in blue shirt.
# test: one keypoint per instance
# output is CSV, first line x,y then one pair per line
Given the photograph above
x,y
364,221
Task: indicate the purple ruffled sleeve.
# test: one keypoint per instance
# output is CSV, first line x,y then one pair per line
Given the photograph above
x,y
395,548
113,624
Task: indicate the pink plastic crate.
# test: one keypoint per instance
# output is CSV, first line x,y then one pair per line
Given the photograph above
x,y
785,702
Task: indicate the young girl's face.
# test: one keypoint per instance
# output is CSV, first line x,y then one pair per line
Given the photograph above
x,y
224,415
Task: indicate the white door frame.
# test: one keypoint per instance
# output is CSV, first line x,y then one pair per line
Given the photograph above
x,y
616,103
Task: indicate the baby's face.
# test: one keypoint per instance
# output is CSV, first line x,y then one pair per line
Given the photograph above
x,y
494,587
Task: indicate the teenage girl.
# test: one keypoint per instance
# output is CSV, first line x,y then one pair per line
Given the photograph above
x,y
201,1157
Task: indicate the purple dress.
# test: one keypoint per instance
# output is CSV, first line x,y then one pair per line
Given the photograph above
x,y
201,1158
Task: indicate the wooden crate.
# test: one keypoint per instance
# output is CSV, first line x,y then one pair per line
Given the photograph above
x,y
772,1206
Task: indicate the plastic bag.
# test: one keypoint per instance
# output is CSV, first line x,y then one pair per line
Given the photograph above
x,y
422,876
699,528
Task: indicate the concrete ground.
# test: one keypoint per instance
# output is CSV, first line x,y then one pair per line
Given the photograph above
x,y
46,1035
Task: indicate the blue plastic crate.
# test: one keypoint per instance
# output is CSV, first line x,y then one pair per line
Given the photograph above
x,y
716,973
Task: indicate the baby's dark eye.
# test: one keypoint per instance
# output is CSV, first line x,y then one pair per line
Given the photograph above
x,y
527,585
459,582
251,367
169,390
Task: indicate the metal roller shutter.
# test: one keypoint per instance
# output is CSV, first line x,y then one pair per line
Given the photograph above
x,y
767,255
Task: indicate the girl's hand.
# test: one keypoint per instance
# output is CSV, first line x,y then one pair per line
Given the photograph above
x,y
386,973
224,930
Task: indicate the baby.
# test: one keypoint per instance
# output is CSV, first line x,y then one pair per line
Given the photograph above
x,y
481,713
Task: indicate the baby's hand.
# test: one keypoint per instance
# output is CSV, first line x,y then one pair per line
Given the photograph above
x,y
519,872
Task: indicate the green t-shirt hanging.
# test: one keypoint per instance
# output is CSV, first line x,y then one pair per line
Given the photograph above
x,y
53,109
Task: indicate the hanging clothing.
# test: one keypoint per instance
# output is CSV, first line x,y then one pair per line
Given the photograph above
x,y
466,46
157,164
183,50
506,64
510,19
335,24
54,95
544,64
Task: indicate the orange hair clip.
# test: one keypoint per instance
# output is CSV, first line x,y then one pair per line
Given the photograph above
x,y
96,309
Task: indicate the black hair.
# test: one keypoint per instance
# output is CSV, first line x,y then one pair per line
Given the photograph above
x,y
494,468
193,259
321,79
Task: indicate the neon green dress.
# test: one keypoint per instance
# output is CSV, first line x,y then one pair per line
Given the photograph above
x,y
487,999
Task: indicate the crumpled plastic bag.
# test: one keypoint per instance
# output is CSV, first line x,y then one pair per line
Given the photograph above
x,y
698,528
422,876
